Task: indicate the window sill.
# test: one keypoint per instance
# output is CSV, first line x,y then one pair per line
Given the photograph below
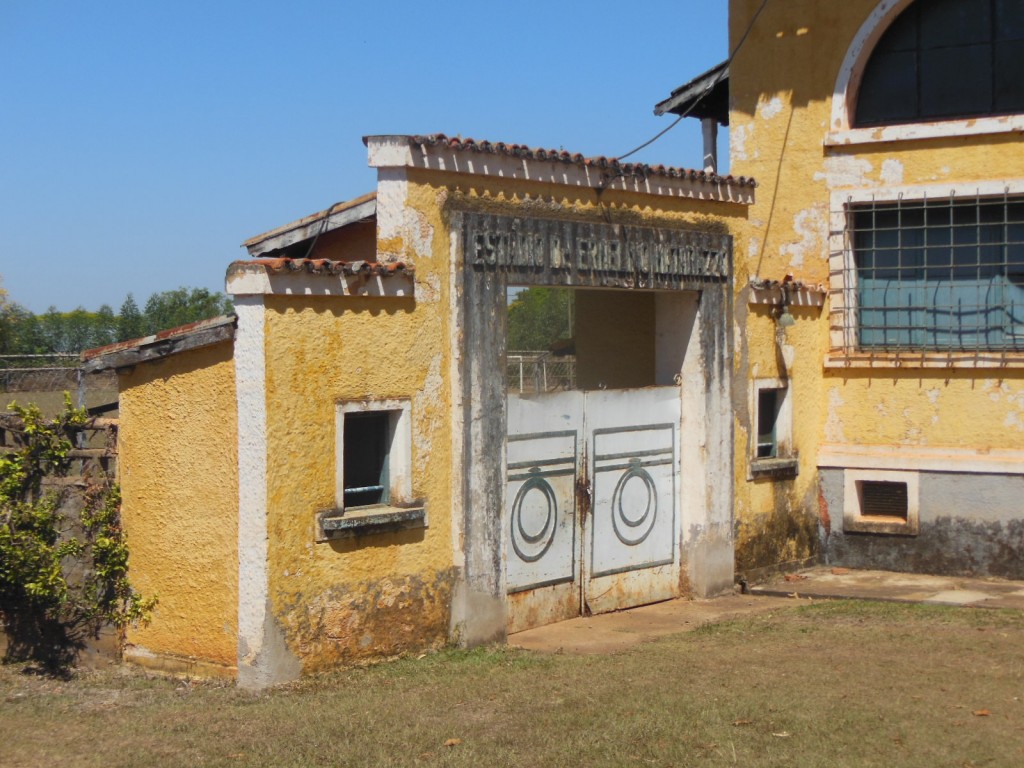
x,y
878,524
776,468
365,521
979,126
925,359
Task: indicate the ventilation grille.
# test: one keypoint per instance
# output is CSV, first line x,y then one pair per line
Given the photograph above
x,y
883,499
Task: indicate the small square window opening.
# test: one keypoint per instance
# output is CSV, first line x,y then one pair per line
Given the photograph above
x,y
367,444
881,501
374,454
771,434
768,401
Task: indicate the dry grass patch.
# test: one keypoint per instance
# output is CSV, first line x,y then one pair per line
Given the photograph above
x,y
827,685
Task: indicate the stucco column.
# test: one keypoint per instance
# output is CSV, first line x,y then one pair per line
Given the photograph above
x,y
263,658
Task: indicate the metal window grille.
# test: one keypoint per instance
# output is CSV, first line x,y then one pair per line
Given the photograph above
x,y
885,499
944,274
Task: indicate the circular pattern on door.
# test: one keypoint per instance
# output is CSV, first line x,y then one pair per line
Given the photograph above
x,y
534,519
634,505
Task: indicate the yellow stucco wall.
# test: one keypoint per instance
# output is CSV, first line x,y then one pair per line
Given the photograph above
x,y
178,460
780,115
390,593
380,594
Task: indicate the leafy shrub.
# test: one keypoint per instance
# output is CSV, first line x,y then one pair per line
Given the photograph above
x,y
63,577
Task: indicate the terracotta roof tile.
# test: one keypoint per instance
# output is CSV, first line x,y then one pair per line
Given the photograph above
x,y
561,156
331,267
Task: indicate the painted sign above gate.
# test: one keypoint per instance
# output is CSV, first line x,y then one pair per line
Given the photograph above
x,y
535,251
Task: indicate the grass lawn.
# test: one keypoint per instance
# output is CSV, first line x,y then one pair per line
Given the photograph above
x,y
829,684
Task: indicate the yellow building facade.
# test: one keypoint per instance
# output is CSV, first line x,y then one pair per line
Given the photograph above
x,y
889,223
829,369
392,495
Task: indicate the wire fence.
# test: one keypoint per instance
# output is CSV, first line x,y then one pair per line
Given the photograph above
x,y
540,372
43,379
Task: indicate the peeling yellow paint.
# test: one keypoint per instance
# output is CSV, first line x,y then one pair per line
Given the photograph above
x,y
391,593
787,232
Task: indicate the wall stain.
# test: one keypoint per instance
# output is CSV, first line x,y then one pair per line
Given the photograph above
x,y
949,546
785,534
379,619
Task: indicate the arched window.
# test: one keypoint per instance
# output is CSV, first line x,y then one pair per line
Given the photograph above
x,y
944,60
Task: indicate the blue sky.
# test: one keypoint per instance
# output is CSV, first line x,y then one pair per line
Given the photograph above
x,y
142,142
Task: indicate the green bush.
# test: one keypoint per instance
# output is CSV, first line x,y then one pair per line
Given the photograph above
x,y
61,580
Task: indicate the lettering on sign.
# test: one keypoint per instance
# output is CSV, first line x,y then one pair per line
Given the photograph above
x,y
554,252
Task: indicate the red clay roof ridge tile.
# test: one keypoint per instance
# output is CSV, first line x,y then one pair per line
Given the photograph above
x,y
460,144
327,267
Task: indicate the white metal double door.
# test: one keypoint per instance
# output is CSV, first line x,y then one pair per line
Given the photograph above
x,y
592,502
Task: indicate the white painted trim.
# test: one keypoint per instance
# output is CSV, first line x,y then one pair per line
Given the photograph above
x,y
253,575
842,132
392,203
925,359
921,459
246,279
456,319
396,151
399,452
855,521
933,191
852,68
979,126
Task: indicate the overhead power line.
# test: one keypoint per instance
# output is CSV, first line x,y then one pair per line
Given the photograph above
x,y
707,90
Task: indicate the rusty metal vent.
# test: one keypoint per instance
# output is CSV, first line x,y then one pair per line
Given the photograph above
x,y
883,499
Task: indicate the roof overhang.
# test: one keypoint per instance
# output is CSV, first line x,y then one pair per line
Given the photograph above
x,y
319,277
438,152
706,96
125,354
337,216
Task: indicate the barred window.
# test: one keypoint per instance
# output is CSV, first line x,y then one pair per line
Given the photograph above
x,y
940,274
946,59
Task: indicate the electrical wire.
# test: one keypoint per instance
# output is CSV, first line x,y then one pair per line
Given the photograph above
x,y
707,90
320,231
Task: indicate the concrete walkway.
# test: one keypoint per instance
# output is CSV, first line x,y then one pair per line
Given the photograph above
x,y
612,632
844,583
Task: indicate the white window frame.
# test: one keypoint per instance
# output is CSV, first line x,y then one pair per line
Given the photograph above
x,y
784,451
855,521
399,453
841,132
